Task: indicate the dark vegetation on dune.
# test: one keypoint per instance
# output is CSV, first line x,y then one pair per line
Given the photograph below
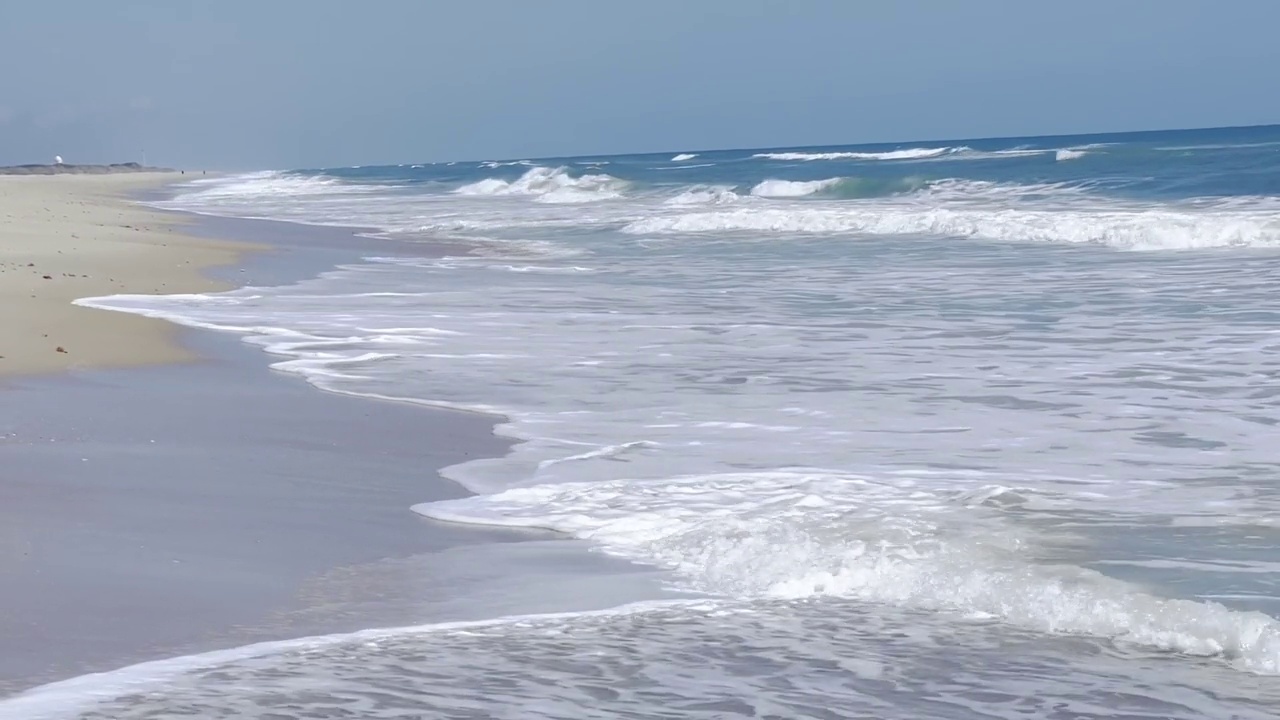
x,y
64,169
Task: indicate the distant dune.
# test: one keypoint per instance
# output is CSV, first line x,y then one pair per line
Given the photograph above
x,y
64,169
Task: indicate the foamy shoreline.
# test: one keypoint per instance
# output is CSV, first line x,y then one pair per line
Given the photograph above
x,y
171,509
75,236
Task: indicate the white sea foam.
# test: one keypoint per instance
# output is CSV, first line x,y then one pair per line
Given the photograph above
x,y
928,154
682,157
705,195
903,154
553,185
792,188
680,167
982,426
798,535
991,211
553,269
1012,152
789,660
954,208
70,698
1135,231
274,184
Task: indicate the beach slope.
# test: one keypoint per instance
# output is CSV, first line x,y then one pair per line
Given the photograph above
x,y
64,237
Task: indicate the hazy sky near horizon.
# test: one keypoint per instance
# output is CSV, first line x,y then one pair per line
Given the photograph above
x,y
236,84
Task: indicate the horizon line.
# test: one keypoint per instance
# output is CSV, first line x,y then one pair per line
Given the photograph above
x,y
534,158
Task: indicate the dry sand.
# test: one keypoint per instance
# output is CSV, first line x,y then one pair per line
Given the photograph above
x,y
65,237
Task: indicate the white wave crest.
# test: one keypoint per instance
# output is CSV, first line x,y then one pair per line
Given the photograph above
x,y
904,154
705,195
939,153
792,188
801,534
682,157
266,185
990,211
553,185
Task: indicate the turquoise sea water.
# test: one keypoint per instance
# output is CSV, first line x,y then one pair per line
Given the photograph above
x,y
955,429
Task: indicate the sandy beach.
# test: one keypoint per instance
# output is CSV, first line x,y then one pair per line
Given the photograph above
x,y
73,236
151,508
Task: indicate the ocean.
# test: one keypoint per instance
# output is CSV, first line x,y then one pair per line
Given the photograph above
x,y
955,429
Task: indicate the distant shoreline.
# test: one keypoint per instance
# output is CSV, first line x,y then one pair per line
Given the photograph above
x,y
65,169
78,236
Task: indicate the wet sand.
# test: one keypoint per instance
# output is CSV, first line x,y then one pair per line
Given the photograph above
x,y
155,511
148,513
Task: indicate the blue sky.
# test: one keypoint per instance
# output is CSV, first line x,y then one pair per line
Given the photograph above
x,y
235,84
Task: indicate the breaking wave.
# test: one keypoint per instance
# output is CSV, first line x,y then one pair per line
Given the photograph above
x,y
1131,230
273,184
802,534
839,187
1082,212
792,188
705,195
904,154
982,210
664,373
960,152
552,185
